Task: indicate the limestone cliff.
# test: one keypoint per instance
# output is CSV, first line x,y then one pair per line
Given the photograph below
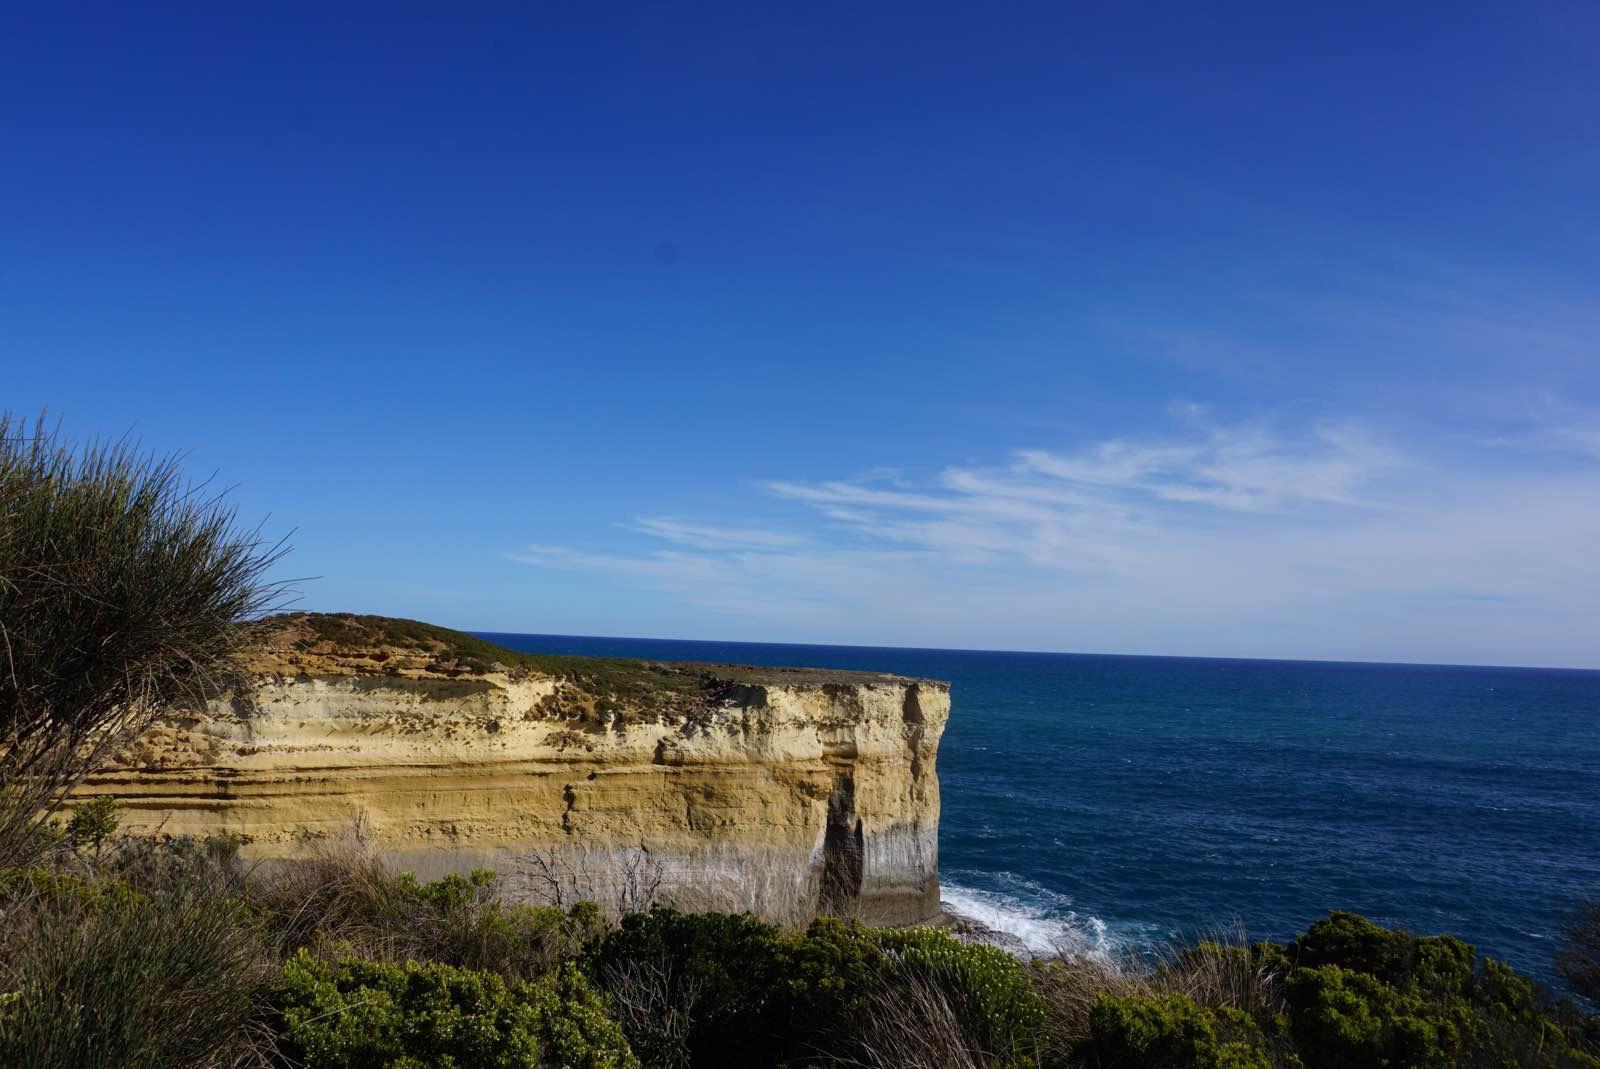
x,y
780,790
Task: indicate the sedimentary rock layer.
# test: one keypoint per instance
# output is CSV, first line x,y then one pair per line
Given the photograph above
x,y
776,790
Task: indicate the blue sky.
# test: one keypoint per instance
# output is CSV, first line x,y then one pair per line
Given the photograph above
x,y
1234,329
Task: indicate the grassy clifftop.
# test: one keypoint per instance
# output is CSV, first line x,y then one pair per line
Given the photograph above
x,y
353,644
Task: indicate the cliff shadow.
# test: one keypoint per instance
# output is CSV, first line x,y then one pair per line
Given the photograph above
x,y
843,850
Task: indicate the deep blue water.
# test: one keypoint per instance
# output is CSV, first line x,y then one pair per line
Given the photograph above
x,y
1120,801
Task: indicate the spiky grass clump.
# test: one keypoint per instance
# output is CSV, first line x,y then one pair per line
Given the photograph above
x,y
98,975
122,588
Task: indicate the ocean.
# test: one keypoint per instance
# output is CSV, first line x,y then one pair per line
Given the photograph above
x,y
1113,804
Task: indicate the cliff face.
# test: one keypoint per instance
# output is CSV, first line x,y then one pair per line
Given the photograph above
x,y
775,790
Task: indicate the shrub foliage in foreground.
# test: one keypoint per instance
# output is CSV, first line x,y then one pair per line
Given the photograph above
x,y
170,954
1172,1032
1369,996
371,1015
755,995
1352,995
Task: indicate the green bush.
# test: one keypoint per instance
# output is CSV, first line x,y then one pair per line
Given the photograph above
x,y
1363,995
1344,1018
1171,1032
763,997
25,892
166,864
1346,994
93,822
373,1015
1435,965
730,967
160,966
573,1023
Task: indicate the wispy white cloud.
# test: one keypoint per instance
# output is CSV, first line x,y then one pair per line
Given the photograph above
x,y
1232,539
1553,427
712,536
1568,429
1580,438
1240,468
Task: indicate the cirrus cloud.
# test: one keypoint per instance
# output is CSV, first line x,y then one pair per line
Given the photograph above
x,y
1231,539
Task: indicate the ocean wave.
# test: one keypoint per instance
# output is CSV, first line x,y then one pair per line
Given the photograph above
x,y
1036,923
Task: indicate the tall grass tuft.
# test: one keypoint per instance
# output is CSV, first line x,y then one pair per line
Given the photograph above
x,y
912,1022
100,976
122,592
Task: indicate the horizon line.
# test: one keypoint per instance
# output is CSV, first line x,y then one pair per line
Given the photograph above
x,y
1058,653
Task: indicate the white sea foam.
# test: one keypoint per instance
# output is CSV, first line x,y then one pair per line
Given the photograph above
x,y
1036,922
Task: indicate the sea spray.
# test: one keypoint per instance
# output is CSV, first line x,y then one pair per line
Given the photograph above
x,y
1036,924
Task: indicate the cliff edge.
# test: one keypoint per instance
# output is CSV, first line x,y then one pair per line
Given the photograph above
x,y
782,791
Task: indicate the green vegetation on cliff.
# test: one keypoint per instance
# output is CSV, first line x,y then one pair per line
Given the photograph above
x,y
594,688
350,633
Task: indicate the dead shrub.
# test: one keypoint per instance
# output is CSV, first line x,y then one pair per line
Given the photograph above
x,y
655,1006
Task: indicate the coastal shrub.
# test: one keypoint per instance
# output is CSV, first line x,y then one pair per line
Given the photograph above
x,y
731,966
997,1011
1342,1017
750,994
96,974
346,902
170,863
1436,965
1346,994
1526,1023
1225,975
122,591
27,892
574,1023
1171,1032
458,977
747,993
1578,960
93,822
1069,987
828,975
1364,995
462,920
358,1014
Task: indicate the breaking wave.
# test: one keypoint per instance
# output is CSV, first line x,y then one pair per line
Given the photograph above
x,y
1028,918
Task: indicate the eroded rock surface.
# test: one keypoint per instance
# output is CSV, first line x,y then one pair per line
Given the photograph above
x,y
782,791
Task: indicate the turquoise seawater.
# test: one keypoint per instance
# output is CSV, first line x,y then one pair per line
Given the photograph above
x,y
1113,803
